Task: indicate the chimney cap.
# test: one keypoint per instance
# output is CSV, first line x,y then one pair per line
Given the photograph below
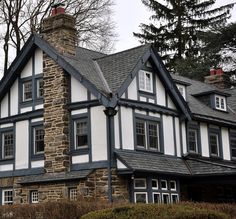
x,y
56,5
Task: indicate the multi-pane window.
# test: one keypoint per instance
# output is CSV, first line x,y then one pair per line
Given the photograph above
x,y
27,91
7,144
34,197
38,140
220,103
81,133
7,197
192,140
40,88
73,194
153,190
145,81
214,144
147,135
233,145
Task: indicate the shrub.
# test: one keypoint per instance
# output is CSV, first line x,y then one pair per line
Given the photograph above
x,y
153,211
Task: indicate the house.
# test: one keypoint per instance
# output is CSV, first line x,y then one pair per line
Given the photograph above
x,y
118,127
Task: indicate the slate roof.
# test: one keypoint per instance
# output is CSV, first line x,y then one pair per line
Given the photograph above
x,y
136,161
151,162
202,167
201,110
54,177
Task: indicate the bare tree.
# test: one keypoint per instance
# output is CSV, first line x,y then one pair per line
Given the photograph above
x,y
20,18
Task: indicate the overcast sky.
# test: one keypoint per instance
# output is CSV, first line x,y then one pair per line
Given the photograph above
x,y
128,14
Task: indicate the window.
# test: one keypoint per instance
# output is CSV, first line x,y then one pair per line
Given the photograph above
x,y
192,140
220,103
145,81
34,196
164,185
38,140
233,144
40,88
154,184
73,194
140,197
214,144
172,185
8,145
165,198
27,91
81,133
140,183
174,198
7,197
147,135
156,197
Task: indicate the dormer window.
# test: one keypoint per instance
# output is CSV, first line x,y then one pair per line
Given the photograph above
x,y
145,81
220,102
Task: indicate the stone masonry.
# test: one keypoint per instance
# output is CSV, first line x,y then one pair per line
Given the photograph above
x,y
59,31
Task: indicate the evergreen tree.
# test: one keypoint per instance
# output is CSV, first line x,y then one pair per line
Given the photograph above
x,y
176,25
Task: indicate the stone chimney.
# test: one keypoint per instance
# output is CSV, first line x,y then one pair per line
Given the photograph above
x,y
59,31
218,78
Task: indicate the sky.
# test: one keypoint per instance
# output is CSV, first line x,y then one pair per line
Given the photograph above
x,y
128,14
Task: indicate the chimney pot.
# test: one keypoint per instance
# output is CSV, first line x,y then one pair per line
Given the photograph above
x,y
58,10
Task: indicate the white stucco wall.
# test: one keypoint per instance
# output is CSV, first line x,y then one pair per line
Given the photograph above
x,y
225,143
204,139
22,145
27,71
169,146
38,61
78,91
4,106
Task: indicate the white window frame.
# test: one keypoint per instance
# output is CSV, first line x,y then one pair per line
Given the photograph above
x,y
34,196
175,187
34,139
3,145
217,144
162,195
182,90
166,188
3,197
137,193
156,193
73,194
140,187
155,188
174,194
144,87
38,87
23,91
220,99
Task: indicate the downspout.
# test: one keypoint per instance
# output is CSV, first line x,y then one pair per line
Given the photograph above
x,y
110,113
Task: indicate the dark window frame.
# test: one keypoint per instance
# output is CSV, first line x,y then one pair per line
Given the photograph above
x,y
232,136
215,132
196,128
35,140
2,157
148,120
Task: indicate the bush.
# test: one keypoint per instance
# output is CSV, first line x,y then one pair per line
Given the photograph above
x,y
153,211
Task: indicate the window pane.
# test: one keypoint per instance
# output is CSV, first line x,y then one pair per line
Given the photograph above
x,y
8,197
173,185
153,136
27,91
165,198
148,82
217,102
39,140
174,198
39,88
81,133
7,145
214,144
156,197
192,140
73,194
141,80
141,197
154,184
34,197
140,133
139,183
233,146
222,103
164,184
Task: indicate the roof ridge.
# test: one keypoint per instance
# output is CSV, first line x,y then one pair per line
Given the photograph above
x,y
80,47
113,54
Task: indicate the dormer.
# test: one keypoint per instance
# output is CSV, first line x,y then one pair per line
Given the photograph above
x,y
182,87
215,99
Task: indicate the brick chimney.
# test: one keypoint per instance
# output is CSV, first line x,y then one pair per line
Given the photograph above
x,y
59,31
218,78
